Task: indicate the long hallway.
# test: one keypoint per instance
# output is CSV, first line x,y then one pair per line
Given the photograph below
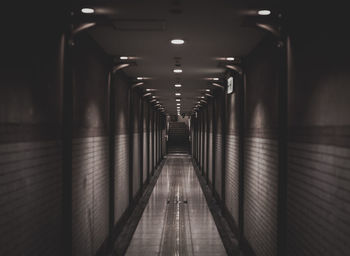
x,y
177,220
173,127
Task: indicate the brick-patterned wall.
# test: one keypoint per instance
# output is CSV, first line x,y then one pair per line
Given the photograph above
x,y
205,142
218,141
210,141
232,175
122,146
218,152
90,149
261,166
145,146
31,188
31,198
318,191
121,188
90,194
260,194
150,161
232,154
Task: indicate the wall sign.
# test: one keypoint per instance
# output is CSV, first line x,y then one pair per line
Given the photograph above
x,y
229,85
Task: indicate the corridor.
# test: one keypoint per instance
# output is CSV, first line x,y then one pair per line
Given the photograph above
x,y
175,127
177,220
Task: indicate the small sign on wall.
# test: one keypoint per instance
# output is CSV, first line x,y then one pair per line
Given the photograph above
x,y
229,85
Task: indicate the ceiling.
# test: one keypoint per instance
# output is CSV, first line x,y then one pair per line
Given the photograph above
x,y
143,30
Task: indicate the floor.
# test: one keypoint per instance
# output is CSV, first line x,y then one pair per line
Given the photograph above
x,y
176,220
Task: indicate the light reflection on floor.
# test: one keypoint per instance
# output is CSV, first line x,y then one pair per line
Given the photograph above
x,y
177,220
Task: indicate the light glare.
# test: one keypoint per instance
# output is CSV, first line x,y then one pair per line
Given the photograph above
x,y
264,12
178,85
87,10
177,70
177,41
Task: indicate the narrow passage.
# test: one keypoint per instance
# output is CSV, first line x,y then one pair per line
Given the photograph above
x,y
176,220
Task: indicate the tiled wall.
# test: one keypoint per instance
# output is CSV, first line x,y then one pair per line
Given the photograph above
x,y
90,194
260,194
218,142
318,188
232,175
122,146
90,145
31,198
121,175
31,189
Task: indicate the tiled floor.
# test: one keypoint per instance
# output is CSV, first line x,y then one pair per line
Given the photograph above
x,y
177,220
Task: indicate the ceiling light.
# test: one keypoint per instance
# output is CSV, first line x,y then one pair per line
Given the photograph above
x,y
177,41
153,97
177,94
207,90
230,58
177,70
124,57
147,94
178,104
264,12
139,78
178,107
202,97
87,10
178,85
178,99
148,90
215,79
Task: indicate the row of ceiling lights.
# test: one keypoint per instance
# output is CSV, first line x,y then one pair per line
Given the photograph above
x,y
176,41
89,10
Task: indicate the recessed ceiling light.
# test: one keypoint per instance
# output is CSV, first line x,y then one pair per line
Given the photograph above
x,y
139,78
177,70
177,94
202,97
264,12
153,97
177,41
148,90
230,58
177,85
215,79
178,104
87,10
207,90
124,57
178,99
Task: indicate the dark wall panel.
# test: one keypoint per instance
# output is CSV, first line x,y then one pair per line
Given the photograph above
x,y
90,166
218,141
122,144
319,146
205,141
136,147
261,149
210,141
145,145
31,146
232,156
163,135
